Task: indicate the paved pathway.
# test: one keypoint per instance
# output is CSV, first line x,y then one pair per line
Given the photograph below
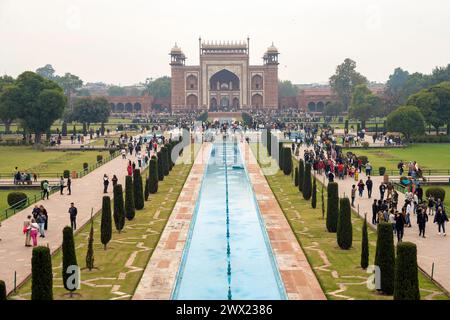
x,y
433,249
87,193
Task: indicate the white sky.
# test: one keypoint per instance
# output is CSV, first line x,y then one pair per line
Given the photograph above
x,y
126,41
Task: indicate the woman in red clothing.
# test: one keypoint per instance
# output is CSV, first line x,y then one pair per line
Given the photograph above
x,y
130,169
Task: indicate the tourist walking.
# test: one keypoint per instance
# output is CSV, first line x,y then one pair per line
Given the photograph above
x,y
369,184
61,185
45,213
374,212
69,186
431,205
129,169
399,226
440,218
40,220
422,219
114,180
353,194
361,187
73,216
382,190
105,183
27,231
368,168
34,229
409,210
45,189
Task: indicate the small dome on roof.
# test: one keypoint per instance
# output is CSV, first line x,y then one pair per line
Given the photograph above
x,y
176,49
272,49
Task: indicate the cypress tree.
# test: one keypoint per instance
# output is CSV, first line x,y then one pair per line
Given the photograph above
x,y
269,142
2,290
160,166
287,159
138,191
307,182
344,226
364,245
41,274
74,130
322,195
69,257
301,174
106,224
84,129
406,286
129,198
385,256
281,155
90,250
332,206
169,151
146,190
119,211
165,162
153,176
296,176
314,194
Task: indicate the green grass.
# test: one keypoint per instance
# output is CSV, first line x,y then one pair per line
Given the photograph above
x,y
135,244
34,161
344,272
428,156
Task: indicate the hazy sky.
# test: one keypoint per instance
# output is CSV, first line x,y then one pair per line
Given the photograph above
x,y
126,41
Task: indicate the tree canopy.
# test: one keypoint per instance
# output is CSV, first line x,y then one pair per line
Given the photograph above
x,y
286,89
115,91
8,111
89,110
364,103
159,88
345,80
407,120
333,109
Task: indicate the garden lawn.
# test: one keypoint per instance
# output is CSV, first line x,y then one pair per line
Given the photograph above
x,y
429,156
31,160
338,271
121,266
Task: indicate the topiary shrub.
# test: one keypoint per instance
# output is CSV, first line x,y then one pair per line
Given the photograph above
x,y
364,246
363,159
280,159
106,223
382,171
146,190
2,290
307,182
16,199
160,166
406,286
138,190
90,251
436,192
153,176
66,174
314,194
119,211
301,174
69,257
85,166
287,161
165,156
41,274
344,232
385,256
296,176
99,158
332,206
129,198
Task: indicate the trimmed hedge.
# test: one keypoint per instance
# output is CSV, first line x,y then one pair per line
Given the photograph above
x,y
301,174
436,192
106,223
69,257
129,198
85,166
153,176
406,286
385,256
146,191
160,166
382,171
314,194
119,211
41,274
344,232
296,176
15,197
66,174
307,182
2,290
431,139
332,206
280,159
364,245
287,161
138,190
165,162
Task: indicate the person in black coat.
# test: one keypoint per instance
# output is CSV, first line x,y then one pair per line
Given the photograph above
x,y
422,219
399,225
375,212
440,218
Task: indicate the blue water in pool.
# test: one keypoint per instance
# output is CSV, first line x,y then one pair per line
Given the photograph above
x,y
233,267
